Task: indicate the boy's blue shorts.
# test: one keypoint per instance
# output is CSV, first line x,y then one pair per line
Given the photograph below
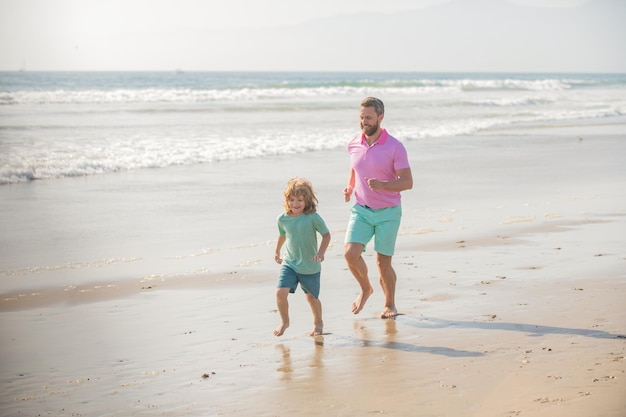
x,y
310,283
381,224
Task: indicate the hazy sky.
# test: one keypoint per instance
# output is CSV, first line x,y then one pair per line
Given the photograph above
x,y
321,35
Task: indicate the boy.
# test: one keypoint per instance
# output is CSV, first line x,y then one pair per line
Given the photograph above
x,y
298,227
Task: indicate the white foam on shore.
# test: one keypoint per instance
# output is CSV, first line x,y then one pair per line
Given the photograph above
x,y
58,125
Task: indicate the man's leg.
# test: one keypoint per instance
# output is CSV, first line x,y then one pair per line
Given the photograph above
x,y
358,267
388,284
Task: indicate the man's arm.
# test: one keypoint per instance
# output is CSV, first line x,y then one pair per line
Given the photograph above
x,y
347,192
403,182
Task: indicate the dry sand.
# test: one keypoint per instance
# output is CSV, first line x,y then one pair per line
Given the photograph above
x,y
511,291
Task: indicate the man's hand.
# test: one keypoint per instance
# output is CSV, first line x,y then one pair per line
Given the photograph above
x,y
375,184
347,193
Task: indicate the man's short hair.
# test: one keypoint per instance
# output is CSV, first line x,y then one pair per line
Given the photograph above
x,y
374,102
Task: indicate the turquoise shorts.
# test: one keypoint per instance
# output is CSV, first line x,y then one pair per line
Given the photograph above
x,y
381,224
310,283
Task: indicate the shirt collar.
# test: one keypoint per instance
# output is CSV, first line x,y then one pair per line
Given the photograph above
x,y
381,139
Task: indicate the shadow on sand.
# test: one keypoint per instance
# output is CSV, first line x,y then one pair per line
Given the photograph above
x,y
390,343
533,330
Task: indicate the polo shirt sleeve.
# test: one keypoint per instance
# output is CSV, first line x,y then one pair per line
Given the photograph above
x,y
401,159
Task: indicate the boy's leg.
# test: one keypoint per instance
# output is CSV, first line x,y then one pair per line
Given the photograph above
x,y
316,309
283,309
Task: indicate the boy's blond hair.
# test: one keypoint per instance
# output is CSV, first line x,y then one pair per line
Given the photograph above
x,y
301,187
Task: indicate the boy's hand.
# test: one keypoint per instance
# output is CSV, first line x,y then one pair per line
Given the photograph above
x,y
278,259
318,258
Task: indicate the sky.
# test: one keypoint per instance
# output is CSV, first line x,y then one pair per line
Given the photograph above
x,y
324,35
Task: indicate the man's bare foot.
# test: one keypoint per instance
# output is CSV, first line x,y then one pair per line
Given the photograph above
x,y
281,329
359,303
317,330
389,313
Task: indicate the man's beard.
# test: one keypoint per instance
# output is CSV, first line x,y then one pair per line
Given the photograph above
x,y
369,130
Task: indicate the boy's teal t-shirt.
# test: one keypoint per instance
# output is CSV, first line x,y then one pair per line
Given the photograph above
x,y
301,244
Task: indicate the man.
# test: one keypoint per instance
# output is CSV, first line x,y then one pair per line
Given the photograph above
x,y
379,171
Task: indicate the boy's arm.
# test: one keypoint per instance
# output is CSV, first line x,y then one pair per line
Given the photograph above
x,y
319,257
279,244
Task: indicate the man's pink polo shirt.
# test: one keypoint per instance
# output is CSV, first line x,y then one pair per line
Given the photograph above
x,y
380,161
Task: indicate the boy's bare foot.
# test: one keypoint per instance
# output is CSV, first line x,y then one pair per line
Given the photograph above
x,y
359,303
317,330
389,313
281,329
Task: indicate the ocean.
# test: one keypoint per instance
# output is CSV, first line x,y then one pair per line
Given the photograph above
x,y
130,175
73,124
